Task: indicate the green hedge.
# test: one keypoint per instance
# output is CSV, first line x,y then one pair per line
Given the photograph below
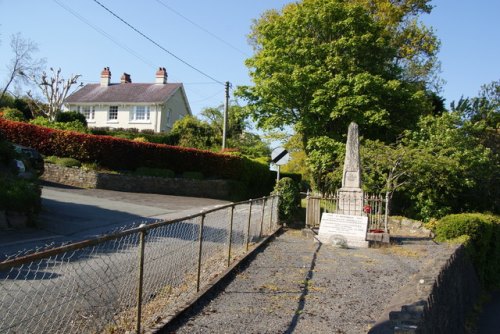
x,y
253,179
482,242
289,193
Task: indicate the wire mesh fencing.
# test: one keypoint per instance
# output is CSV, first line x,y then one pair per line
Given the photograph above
x,y
129,280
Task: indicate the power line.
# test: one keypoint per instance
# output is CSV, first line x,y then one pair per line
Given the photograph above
x,y
105,34
157,44
203,29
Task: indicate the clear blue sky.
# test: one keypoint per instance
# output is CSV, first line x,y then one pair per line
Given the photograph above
x,y
469,32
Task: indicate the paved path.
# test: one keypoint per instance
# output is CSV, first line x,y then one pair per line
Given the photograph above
x,y
72,214
296,285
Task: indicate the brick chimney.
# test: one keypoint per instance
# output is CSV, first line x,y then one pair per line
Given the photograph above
x,y
161,76
125,78
105,77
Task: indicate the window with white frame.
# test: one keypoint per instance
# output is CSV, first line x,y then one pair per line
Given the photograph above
x,y
88,112
140,113
113,113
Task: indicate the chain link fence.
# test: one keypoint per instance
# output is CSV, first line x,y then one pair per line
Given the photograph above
x,y
131,279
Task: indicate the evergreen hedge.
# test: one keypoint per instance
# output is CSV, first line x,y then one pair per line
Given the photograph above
x,y
481,233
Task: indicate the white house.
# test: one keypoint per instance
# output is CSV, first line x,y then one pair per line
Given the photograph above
x,y
154,106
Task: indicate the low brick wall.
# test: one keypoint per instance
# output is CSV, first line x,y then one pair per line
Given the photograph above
x,y
436,300
77,177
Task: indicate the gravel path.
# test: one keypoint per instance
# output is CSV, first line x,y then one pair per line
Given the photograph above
x,y
297,285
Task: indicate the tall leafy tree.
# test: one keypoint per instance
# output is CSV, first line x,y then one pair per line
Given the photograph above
x,y
416,44
318,65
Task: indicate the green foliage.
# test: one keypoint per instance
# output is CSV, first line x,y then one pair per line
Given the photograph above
x,y
76,125
250,145
193,175
12,114
325,161
63,161
132,134
19,195
289,198
7,152
71,116
68,162
191,132
483,242
318,65
451,171
159,172
236,124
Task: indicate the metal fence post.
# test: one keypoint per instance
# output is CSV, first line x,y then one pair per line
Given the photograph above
x,y
262,216
271,215
142,237
200,249
230,236
248,225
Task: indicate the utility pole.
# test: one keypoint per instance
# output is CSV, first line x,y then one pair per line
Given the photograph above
x,y
226,111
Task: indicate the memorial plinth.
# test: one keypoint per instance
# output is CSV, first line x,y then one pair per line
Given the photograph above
x,y
343,230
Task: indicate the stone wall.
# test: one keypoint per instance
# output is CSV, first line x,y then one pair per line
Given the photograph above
x,y
437,299
77,177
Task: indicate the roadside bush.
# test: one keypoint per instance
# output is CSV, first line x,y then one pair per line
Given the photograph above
x,y
12,114
68,162
65,162
71,116
7,152
75,126
20,195
159,172
482,243
124,155
289,198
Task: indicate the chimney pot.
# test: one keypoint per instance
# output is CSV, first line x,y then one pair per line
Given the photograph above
x,y
125,78
161,76
105,77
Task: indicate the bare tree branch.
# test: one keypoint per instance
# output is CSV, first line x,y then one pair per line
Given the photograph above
x,y
55,89
22,65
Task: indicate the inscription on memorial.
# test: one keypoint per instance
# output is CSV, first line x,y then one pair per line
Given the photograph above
x,y
351,228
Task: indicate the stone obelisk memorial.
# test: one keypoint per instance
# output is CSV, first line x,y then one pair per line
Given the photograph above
x,y
350,196
347,227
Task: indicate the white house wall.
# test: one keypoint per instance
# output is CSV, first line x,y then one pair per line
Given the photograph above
x,y
176,107
124,117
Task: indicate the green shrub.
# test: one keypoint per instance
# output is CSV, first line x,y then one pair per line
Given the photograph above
x,y
20,195
193,175
159,172
7,152
51,159
483,244
68,162
289,198
71,116
75,126
13,115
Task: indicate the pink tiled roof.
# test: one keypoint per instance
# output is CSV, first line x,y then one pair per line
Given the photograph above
x,y
124,93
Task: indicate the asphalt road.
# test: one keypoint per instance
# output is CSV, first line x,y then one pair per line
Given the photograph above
x,y
88,290
73,214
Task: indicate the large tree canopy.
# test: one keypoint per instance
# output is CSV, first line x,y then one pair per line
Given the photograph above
x,y
321,64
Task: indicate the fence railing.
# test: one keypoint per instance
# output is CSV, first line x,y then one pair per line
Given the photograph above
x,y
130,279
373,207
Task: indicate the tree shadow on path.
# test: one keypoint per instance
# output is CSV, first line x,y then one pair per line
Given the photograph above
x,y
305,292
